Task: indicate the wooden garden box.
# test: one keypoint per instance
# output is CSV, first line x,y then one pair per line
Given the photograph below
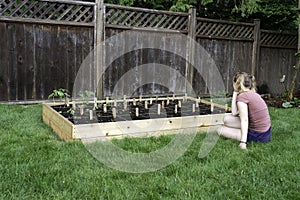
x,y
67,130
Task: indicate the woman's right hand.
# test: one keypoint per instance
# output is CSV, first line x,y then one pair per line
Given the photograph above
x,y
243,146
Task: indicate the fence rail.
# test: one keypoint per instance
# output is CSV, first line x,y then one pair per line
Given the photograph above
x,y
44,43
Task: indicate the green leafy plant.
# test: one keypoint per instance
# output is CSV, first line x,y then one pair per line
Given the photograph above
x,y
287,104
61,94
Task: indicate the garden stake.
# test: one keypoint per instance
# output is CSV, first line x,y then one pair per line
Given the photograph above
x,y
175,111
114,112
158,109
104,108
91,114
179,104
81,110
168,101
163,104
67,102
115,103
151,101
106,101
140,98
211,106
95,103
193,108
173,97
125,104
137,111
146,105
134,102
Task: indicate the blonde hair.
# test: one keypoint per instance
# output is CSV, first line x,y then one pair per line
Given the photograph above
x,y
244,82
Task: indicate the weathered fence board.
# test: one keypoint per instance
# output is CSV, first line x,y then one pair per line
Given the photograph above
x,y
38,58
43,44
275,63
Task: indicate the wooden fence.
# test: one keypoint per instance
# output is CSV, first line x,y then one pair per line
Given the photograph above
x,y
43,44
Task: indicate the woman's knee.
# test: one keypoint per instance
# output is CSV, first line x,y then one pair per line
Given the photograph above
x,y
232,121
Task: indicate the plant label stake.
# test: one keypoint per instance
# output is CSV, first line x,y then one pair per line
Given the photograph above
x,y
158,109
151,100
185,97
193,108
106,101
67,102
173,97
95,103
163,104
168,101
175,111
179,104
81,110
140,98
114,112
134,102
104,108
197,103
146,105
91,114
115,103
137,111
226,107
211,106
125,105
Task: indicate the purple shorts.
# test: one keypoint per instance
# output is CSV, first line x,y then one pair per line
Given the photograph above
x,y
254,136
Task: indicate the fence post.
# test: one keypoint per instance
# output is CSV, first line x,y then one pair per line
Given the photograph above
x,y
99,29
256,46
190,53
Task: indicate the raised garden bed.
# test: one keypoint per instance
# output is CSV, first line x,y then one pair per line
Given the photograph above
x,y
131,117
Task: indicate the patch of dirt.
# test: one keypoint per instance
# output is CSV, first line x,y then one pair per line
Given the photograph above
x,y
277,102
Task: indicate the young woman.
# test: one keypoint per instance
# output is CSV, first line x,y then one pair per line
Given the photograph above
x,y
250,119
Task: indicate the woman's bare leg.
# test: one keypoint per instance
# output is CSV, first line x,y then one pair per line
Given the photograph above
x,y
232,121
231,128
232,133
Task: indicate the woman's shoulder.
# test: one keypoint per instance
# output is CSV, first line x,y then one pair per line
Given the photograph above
x,y
245,96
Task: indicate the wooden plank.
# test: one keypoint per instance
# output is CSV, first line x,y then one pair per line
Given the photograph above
x,y
145,10
45,22
4,63
61,126
30,62
146,126
12,59
21,73
256,47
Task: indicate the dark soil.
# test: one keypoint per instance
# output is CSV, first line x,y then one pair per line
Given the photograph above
x,y
278,102
100,115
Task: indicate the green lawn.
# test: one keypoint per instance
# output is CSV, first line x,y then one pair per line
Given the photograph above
x,y
35,164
